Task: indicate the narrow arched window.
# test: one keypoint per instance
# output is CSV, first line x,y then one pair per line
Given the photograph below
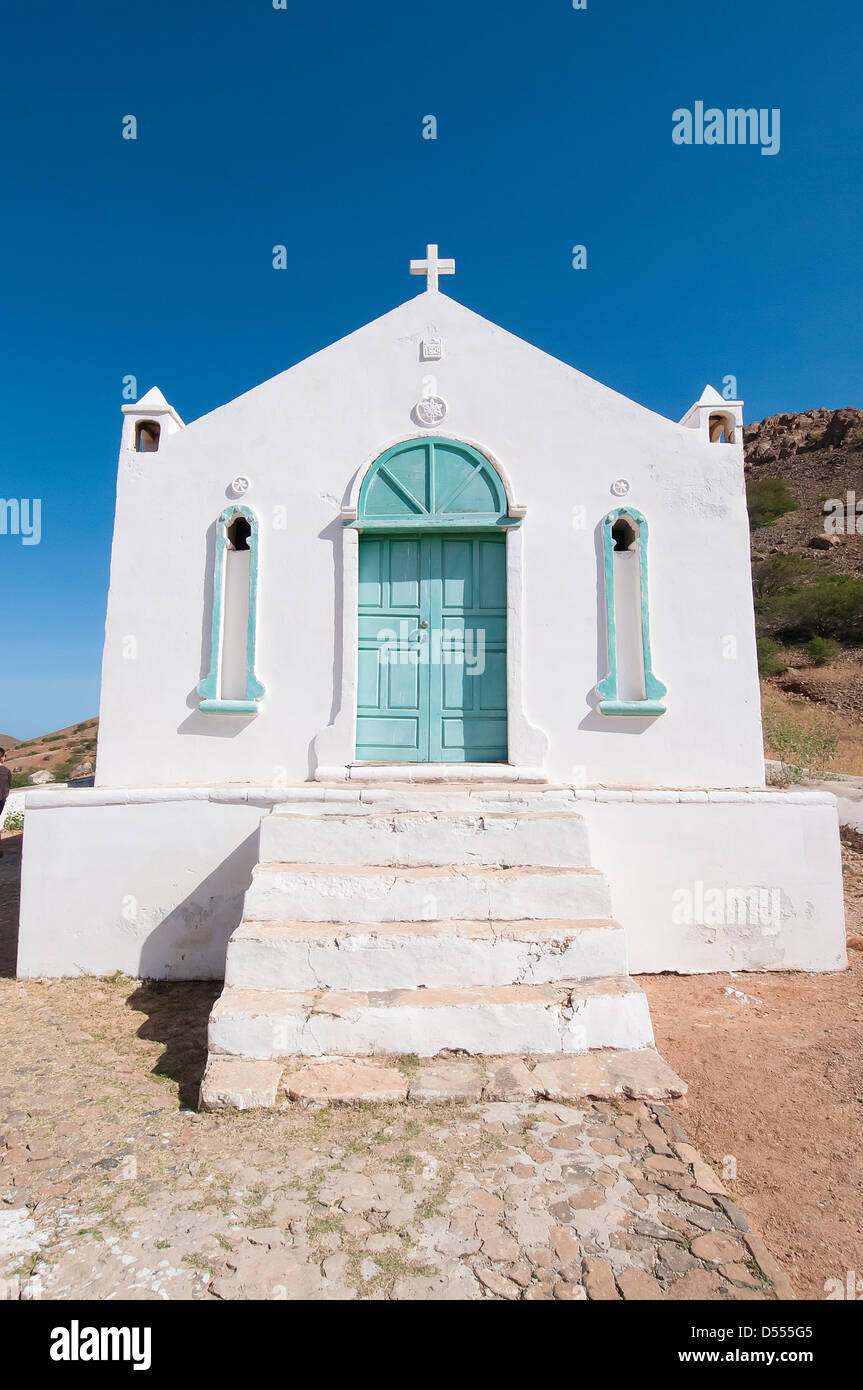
x,y
721,429
146,436
231,685
630,688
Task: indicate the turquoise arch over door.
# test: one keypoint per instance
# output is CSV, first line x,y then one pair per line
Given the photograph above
x,y
432,483
432,673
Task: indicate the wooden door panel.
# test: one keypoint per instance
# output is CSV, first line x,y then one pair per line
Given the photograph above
x,y
432,693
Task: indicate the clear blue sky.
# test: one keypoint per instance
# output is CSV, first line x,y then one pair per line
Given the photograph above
x,y
302,126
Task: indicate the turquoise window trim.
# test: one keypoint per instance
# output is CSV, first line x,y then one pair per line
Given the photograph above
x,y
228,707
609,703
438,515
208,688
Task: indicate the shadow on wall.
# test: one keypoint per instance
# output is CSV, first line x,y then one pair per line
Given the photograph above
x,y
191,941
176,1015
333,534
213,725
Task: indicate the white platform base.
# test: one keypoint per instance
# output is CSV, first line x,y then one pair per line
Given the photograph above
x,y
151,881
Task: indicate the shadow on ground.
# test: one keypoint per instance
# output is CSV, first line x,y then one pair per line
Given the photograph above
x,y
177,1012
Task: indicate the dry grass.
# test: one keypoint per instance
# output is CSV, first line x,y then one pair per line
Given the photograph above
x,y
847,730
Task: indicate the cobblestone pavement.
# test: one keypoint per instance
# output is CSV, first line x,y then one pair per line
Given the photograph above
x,y
111,1188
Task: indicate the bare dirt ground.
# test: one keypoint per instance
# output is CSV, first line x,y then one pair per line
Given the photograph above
x,y
112,1187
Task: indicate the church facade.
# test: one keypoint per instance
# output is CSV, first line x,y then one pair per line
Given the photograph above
x,y
429,603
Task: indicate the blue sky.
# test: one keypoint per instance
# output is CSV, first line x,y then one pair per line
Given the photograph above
x,y
303,126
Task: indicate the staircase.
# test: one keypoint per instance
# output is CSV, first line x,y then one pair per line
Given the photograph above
x,y
427,920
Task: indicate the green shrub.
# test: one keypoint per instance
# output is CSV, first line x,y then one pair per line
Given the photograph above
x,y
830,607
800,748
779,572
14,822
767,500
20,779
770,655
823,651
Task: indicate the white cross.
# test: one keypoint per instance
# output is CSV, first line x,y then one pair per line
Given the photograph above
x,y
432,267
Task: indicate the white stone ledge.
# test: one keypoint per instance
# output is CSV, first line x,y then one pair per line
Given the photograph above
x,y
694,796
146,796
264,797
436,772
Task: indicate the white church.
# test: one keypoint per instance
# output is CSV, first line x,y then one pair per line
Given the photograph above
x,y
430,711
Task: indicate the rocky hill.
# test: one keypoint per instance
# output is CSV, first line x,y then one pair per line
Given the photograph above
x,y
819,454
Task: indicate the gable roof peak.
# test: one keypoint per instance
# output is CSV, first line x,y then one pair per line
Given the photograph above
x,y
710,396
152,400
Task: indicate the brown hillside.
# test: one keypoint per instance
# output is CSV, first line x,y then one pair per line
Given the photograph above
x,y
819,455
62,753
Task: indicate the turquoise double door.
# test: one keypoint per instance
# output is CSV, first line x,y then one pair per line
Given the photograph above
x,y
432,648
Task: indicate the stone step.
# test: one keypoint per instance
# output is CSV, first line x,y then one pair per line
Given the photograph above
x,y
240,1083
370,894
304,956
420,838
565,1017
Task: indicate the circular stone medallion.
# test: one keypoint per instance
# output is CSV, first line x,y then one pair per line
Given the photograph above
x,y
431,410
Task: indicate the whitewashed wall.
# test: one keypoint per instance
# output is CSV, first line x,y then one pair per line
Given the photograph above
x,y
561,438
777,853
152,888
